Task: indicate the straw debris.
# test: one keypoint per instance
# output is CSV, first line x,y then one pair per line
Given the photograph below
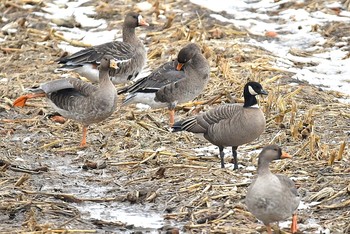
x,y
133,160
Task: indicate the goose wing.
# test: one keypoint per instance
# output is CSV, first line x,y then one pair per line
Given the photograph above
x,y
120,51
212,118
163,75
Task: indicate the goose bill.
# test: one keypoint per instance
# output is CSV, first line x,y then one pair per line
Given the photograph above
x,y
113,64
179,66
286,155
264,92
142,22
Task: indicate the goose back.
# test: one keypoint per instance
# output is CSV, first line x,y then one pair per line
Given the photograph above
x,y
163,75
130,54
196,71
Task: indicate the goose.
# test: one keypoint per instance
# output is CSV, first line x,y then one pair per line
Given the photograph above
x,y
230,124
272,198
130,54
174,82
79,100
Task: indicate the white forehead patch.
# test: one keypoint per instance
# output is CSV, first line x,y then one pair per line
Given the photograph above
x,y
252,91
139,18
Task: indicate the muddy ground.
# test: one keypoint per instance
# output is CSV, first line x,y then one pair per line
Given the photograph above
x,y
133,163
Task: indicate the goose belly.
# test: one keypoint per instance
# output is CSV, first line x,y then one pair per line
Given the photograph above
x,y
144,98
267,202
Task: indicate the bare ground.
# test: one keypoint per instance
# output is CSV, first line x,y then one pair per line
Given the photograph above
x,y
45,177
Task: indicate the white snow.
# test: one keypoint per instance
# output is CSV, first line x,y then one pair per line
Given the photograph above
x,y
294,29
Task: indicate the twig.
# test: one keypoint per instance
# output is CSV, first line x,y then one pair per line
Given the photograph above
x,y
123,163
10,50
186,166
146,126
336,206
51,144
148,158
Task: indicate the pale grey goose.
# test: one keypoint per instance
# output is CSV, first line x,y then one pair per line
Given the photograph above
x,y
230,124
79,100
174,82
130,54
272,198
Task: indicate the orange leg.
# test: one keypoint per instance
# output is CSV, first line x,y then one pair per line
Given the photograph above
x,y
21,101
294,227
83,140
172,117
268,228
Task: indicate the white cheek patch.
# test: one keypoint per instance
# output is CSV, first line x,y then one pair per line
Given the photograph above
x,y
139,18
252,91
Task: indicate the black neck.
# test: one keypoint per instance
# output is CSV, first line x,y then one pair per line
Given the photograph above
x,y
249,100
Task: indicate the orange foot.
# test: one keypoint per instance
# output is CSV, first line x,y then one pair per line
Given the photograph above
x,y
21,101
294,227
58,119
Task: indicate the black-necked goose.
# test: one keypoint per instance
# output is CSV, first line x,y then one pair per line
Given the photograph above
x,y
130,54
79,100
174,82
272,198
230,124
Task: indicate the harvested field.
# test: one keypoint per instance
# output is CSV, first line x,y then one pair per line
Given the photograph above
x,y
138,177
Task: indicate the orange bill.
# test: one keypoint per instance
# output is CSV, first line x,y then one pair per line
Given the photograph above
x,y
285,155
142,22
179,66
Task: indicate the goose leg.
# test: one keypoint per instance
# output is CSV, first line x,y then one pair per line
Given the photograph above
x,y
21,101
234,155
294,227
83,140
221,152
172,117
268,228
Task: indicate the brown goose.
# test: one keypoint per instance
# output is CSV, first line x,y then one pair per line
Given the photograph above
x,y
230,124
79,100
130,54
174,82
272,198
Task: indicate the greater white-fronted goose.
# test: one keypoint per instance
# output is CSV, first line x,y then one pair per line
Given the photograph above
x,y
130,54
79,100
230,124
174,82
272,198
